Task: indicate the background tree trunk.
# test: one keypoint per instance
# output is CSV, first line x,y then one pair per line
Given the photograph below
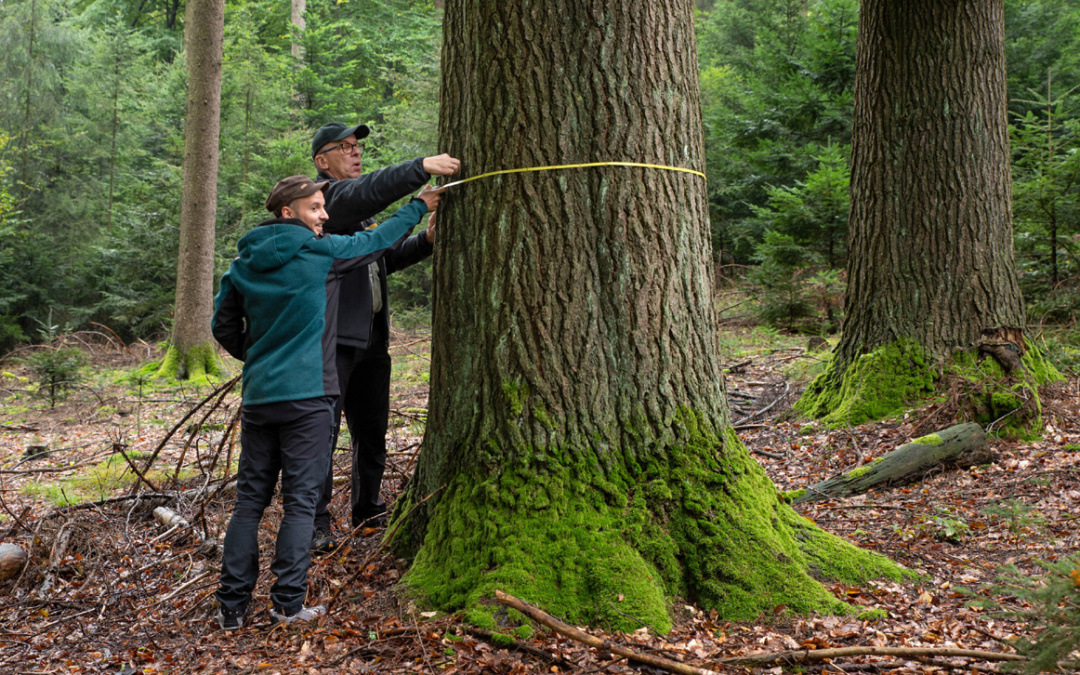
x,y
578,435
191,353
297,17
931,262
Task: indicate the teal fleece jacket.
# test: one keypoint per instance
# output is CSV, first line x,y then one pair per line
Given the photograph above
x,y
277,306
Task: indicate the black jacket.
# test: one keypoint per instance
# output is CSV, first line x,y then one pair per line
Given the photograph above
x,y
351,204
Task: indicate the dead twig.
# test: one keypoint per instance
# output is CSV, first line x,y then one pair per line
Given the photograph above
x,y
781,397
803,655
581,636
161,446
386,540
119,447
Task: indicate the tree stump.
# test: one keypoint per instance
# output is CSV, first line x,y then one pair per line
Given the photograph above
x,y
12,561
957,447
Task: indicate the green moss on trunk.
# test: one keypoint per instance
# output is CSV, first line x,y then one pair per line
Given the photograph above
x,y
877,385
597,545
890,379
1007,404
199,364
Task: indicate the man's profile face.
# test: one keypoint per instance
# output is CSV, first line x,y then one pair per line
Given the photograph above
x,y
310,209
333,159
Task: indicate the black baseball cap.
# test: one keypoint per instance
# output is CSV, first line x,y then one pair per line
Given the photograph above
x,y
289,190
335,131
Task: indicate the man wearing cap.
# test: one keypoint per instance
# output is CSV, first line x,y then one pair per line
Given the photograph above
x,y
277,312
363,359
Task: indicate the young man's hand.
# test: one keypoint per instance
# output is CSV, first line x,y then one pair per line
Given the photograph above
x,y
431,196
441,165
430,232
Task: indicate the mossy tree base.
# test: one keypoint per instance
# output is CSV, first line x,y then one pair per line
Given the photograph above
x,y
200,363
604,545
887,381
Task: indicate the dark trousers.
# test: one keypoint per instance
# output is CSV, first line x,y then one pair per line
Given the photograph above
x,y
364,378
292,438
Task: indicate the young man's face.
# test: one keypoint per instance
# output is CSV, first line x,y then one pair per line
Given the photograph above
x,y
340,159
310,209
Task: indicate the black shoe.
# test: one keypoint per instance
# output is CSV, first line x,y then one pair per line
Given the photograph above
x,y
323,542
231,619
377,520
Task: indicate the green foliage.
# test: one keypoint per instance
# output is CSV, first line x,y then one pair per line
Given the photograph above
x,y
1018,516
1051,607
57,370
776,80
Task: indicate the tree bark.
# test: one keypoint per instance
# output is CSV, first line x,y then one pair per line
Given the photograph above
x,y
577,416
298,7
931,189
191,354
931,262
959,446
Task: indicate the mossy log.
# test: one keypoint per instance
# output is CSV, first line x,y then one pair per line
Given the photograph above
x,y
957,447
12,561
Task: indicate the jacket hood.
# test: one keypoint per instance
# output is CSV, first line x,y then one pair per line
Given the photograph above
x,y
273,243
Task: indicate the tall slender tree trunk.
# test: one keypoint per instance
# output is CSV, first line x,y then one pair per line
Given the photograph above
x,y
930,266
298,8
115,129
578,448
30,57
191,353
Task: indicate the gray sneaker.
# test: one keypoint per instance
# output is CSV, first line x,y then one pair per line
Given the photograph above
x,y
304,614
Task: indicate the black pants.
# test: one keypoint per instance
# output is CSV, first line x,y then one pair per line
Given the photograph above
x,y
292,438
364,378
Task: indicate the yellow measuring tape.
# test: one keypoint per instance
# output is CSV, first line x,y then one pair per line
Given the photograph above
x,y
574,166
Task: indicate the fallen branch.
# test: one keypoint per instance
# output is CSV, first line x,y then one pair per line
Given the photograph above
x,y
802,655
581,636
959,446
161,446
781,397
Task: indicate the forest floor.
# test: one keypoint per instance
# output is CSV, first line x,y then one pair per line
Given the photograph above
x,y
108,589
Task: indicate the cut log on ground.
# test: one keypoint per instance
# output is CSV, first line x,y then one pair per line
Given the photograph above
x,y
957,447
12,561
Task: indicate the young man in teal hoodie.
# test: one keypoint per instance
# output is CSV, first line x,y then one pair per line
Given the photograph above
x,y
277,312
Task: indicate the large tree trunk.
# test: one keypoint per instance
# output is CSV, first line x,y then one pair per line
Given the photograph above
x,y
578,441
191,353
931,263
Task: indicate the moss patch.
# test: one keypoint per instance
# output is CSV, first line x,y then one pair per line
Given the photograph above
x,y
1008,405
875,614
199,364
929,439
592,542
877,385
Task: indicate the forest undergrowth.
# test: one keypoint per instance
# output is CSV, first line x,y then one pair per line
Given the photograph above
x,y
109,589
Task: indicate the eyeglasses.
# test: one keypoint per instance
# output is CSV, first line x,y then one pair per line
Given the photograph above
x,y
346,148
